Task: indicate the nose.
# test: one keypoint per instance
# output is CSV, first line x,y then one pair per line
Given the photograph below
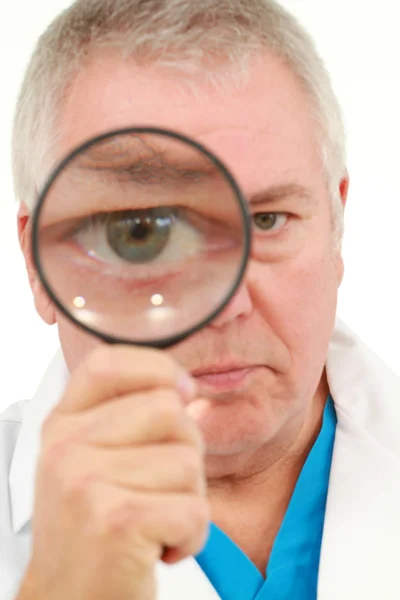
x,y
241,305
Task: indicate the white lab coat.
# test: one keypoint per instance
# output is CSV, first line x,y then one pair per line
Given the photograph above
x,y
360,558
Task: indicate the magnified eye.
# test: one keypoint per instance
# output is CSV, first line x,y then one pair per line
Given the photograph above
x,y
139,236
134,238
139,241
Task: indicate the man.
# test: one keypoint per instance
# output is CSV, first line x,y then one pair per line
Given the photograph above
x,y
275,423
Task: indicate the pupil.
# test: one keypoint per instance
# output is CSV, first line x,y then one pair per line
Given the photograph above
x,y
140,230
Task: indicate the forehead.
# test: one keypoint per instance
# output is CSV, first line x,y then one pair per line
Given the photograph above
x,y
262,128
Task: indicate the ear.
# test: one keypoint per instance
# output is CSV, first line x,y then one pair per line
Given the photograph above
x,y
344,188
344,191
43,304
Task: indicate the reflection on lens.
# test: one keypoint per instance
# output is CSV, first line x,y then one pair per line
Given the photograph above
x,y
157,300
141,237
79,302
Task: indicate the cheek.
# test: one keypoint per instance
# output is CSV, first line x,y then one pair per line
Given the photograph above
x,y
298,299
75,343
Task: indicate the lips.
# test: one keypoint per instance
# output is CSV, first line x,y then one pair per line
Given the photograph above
x,y
221,369
224,378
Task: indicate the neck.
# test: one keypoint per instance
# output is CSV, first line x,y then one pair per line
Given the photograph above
x,y
250,506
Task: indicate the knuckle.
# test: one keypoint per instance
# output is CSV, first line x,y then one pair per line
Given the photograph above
x,y
165,367
197,520
166,362
119,520
200,519
77,488
169,407
200,514
198,440
191,465
57,431
70,478
52,458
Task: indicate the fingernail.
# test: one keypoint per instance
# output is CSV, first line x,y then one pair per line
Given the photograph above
x,y
187,386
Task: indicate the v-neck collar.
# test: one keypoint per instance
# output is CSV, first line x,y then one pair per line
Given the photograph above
x,y
297,545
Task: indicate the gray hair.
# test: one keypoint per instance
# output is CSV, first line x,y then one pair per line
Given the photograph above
x,y
183,34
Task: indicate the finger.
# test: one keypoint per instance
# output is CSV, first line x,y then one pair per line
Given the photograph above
x,y
110,372
144,418
178,521
162,468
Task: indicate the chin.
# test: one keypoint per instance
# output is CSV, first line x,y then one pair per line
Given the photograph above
x,y
231,428
233,447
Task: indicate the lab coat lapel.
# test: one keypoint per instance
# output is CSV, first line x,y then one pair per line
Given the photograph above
x,y
360,547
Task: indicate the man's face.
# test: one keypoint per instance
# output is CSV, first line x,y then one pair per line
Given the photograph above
x,y
280,322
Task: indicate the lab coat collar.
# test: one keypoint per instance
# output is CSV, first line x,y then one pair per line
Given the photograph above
x,y
362,518
360,546
23,466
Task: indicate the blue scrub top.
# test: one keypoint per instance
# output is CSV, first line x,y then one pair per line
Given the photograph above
x,y
292,572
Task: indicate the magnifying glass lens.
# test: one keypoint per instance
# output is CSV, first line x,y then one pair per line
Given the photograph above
x,y
141,236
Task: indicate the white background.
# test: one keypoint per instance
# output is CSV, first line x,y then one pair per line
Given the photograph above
x,y
360,43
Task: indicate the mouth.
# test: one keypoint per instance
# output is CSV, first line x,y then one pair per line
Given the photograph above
x,y
231,378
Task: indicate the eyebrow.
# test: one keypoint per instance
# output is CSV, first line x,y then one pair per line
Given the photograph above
x,y
155,172
278,193
155,167
146,172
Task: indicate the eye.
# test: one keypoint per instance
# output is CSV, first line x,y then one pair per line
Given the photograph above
x,y
142,244
266,221
139,236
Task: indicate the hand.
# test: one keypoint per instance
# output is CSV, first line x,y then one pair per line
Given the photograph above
x,y
120,478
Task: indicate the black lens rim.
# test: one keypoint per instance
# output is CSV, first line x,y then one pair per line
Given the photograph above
x,y
161,343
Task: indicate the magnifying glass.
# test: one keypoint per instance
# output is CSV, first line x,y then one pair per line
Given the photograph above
x,y
141,236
